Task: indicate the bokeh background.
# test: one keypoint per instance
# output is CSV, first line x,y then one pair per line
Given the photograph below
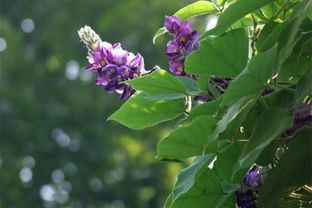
x,y
57,149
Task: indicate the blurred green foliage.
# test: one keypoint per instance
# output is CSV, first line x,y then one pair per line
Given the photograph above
x,y
57,150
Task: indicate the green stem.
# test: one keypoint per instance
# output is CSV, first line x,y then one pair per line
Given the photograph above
x,y
264,103
283,87
281,9
217,5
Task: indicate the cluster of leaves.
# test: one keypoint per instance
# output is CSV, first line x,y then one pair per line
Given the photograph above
x,y
263,44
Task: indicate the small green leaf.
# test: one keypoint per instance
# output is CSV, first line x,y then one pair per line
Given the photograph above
x,y
188,141
209,108
225,163
188,176
159,33
232,113
206,193
238,89
262,65
269,35
233,13
191,86
269,125
197,8
138,112
224,56
304,87
260,69
159,82
287,38
294,170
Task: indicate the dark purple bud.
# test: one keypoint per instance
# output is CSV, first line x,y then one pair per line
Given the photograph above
x,y
246,198
302,118
172,24
266,91
127,92
253,179
202,99
305,112
155,68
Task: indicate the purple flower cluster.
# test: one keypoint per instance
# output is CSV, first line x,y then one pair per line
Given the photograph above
x,y
302,118
182,44
246,198
115,65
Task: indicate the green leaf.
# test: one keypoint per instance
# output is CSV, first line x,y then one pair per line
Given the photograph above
x,y
168,201
225,163
294,68
138,112
262,65
206,193
159,33
203,80
157,83
232,113
269,35
224,56
260,69
209,108
162,97
233,13
188,176
238,89
293,171
197,8
190,85
304,87
287,38
269,125
188,141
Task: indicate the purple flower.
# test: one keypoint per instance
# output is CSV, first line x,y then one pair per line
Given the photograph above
x,y
253,179
185,33
115,65
177,66
136,63
172,24
246,198
173,50
182,44
116,55
98,59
